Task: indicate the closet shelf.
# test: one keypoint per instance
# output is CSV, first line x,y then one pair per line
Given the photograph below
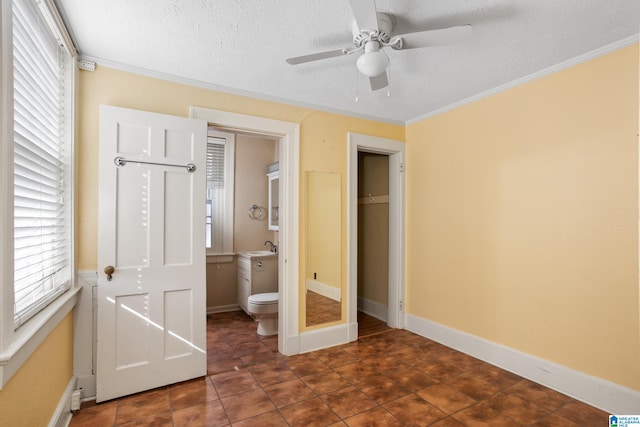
x,y
373,200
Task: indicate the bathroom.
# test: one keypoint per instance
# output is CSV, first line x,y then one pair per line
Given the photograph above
x,y
245,221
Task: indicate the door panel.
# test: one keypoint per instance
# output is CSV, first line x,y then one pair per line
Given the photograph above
x,y
152,314
178,219
131,218
131,326
178,325
132,139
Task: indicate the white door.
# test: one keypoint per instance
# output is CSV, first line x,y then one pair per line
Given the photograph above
x,y
152,313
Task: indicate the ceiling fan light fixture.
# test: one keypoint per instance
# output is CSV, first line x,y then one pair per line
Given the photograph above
x,y
372,62
372,31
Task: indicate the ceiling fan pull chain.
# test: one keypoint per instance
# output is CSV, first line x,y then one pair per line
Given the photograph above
x,y
389,80
388,74
356,85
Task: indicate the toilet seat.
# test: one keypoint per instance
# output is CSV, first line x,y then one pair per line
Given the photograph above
x,y
266,303
265,298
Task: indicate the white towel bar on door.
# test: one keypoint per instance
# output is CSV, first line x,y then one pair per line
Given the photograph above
x,y
119,161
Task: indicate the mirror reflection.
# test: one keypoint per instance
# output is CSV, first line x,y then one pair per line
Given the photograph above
x,y
323,248
273,174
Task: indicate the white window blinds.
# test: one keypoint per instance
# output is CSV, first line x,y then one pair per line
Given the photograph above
x,y
215,193
215,161
42,211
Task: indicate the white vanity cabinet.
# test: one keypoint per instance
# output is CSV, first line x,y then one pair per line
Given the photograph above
x,y
257,273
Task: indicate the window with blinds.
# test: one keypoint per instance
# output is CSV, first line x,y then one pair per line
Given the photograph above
x,y
215,193
42,202
215,162
220,196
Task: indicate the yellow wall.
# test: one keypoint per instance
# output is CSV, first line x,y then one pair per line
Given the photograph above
x,y
522,218
522,208
32,394
323,144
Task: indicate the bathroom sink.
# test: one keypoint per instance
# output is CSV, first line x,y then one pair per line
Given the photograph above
x,y
258,253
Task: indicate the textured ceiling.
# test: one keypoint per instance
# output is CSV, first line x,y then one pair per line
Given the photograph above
x,y
241,46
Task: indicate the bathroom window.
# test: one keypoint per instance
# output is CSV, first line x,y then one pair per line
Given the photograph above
x,y
42,123
219,197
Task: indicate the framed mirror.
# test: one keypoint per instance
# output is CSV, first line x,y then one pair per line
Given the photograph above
x,y
323,272
273,175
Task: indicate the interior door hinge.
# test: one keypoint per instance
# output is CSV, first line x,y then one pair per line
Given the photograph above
x,y
401,305
401,167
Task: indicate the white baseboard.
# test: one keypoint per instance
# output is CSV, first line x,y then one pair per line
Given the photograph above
x,y
62,415
223,308
605,395
87,385
352,329
324,337
372,308
324,289
292,345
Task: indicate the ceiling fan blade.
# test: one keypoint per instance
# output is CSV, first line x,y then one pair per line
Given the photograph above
x,y
379,82
316,56
432,37
365,14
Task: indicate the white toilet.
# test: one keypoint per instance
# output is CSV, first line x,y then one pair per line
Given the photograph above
x,y
264,307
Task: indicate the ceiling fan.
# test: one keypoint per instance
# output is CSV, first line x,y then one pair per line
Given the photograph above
x,y
372,31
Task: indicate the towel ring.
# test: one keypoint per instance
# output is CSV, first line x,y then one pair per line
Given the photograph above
x,y
255,212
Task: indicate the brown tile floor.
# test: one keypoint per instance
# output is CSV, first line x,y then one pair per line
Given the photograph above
x,y
387,378
368,325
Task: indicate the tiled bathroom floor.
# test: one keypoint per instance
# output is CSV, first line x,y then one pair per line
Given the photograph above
x,y
388,378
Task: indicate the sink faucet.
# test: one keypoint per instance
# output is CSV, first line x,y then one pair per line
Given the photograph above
x,y
274,247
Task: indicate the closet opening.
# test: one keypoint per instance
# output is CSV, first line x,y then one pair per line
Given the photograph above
x,y
375,234
373,243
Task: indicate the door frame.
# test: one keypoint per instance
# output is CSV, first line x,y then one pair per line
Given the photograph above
x,y
396,151
288,134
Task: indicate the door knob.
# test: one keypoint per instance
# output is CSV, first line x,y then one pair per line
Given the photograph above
x,y
108,270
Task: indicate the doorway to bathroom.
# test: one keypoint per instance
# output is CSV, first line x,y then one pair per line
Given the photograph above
x,y
242,239
375,233
239,215
287,137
